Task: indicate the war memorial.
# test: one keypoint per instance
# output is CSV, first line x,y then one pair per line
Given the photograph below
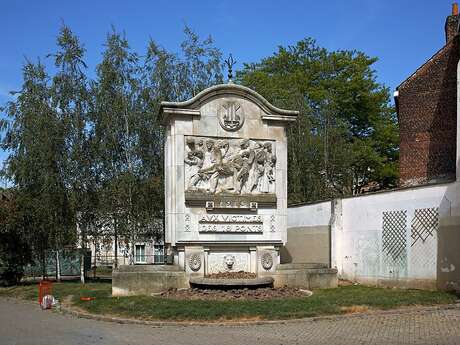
x,y
225,195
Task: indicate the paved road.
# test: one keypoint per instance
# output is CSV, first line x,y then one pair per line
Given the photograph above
x,y
25,324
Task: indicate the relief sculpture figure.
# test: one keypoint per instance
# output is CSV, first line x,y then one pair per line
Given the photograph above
x,y
259,167
212,166
236,166
269,164
194,159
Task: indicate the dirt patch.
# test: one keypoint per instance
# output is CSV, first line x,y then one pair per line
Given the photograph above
x,y
355,309
234,294
345,283
232,275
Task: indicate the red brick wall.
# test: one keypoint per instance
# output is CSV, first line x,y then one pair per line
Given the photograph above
x,y
427,112
450,27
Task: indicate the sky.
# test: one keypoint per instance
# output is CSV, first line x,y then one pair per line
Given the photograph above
x,y
402,34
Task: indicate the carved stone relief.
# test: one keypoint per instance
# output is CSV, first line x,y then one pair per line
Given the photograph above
x,y
266,261
272,223
231,116
187,222
228,262
194,262
229,166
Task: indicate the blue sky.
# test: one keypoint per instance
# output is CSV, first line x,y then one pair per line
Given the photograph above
x,y
401,33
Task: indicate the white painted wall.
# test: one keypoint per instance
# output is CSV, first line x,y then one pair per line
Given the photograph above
x,y
357,236
317,214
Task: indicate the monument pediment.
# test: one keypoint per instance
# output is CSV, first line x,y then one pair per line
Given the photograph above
x,y
192,107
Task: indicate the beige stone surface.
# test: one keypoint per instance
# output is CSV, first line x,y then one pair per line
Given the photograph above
x,y
307,244
232,113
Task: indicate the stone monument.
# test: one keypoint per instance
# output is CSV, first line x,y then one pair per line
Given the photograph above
x,y
225,197
225,181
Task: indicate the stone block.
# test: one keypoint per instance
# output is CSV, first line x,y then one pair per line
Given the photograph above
x,y
303,276
133,280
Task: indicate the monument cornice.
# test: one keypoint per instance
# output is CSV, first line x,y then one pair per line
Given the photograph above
x,y
191,107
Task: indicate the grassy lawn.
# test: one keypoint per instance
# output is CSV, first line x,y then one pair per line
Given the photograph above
x,y
342,300
60,290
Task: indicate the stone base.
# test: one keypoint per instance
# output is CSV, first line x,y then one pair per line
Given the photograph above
x,y
202,260
308,276
130,280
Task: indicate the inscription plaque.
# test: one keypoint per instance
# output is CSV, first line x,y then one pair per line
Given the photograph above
x,y
230,218
230,223
230,227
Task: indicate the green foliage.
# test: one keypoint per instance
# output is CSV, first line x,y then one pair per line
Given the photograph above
x,y
346,136
14,242
36,142
87,155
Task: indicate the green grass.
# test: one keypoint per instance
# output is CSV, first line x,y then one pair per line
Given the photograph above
x,y
323,302
60,290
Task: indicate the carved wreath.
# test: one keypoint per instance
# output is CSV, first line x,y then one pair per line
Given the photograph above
x,y
266,260
194,262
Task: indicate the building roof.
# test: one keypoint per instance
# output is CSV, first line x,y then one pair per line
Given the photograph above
x,y
427,63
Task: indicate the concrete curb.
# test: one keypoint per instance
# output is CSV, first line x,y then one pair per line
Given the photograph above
x,y
403,310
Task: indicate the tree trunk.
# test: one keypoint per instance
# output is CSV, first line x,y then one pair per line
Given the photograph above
x,y
58,267
43,260
115,264
82,267
95,260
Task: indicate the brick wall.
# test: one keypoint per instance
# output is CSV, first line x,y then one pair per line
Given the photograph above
x,y
450,28
427,118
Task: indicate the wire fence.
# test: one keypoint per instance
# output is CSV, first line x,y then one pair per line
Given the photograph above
x,y
95,266
140,259
69,260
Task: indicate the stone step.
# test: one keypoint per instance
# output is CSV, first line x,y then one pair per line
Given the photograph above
x,y
149,268
300,266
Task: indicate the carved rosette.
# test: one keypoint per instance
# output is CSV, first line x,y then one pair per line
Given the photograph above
x,y
194,262
266,260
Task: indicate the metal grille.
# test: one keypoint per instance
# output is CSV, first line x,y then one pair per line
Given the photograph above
x,y
394,239
424,224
